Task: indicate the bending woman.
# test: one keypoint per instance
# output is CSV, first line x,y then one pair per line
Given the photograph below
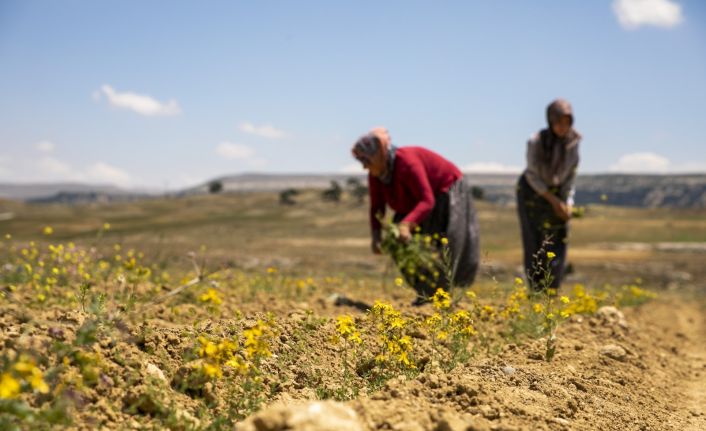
x,y
425,191
545,194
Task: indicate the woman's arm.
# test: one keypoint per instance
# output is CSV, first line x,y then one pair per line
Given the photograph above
x,y
561,209
417,181
377,211
533,163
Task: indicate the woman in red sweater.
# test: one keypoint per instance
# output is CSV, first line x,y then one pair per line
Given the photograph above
x,y
427,192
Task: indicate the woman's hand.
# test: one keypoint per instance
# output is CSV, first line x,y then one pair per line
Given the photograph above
x,y
375,244
405,232
561,209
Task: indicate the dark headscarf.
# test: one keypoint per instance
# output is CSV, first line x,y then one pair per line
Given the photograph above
x,y
554,147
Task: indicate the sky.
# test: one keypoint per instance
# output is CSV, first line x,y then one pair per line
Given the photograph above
x,y
165,95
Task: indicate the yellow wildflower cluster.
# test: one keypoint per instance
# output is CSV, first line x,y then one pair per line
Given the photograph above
x,y
395,345
583,302
513,306
215,355
346,329
23,372
632,294
48,269
243,358
258,339
211,296
441,300
451,329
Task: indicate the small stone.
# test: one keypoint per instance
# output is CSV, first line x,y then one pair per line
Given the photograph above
x,y
614,352
561,421
508,370
154,371
56,333
310,416
450,422
612,316
407,426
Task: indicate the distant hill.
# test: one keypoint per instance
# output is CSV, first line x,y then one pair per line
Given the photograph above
x,y
71,193
646,191
43,190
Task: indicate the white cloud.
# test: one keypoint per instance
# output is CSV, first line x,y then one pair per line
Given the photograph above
x,y
641,162
139,103
491,168
230,150
353,168
655,164
45,146
50,166
4,170
265,131
101,172
659,13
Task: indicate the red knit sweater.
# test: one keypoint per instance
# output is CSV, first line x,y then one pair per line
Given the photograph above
x,y
418,175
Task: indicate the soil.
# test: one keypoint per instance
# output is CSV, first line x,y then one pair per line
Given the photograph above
x,y
647,372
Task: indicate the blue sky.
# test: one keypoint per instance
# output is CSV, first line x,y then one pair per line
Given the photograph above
x,y
169,94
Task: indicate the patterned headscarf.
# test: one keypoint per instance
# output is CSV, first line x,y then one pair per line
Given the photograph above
x,y
369,144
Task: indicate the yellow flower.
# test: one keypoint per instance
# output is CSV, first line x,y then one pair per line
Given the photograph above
x,y
551,255
9,386
444,241
106,226
37,381
211,370
345,325
537,308
441,299
271,270
211,295
564,299
399,281
518,281
240,366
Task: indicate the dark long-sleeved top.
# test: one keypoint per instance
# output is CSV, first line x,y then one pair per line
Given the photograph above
x,y
418,175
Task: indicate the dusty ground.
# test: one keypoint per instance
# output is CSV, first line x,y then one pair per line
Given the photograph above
x,y
122,369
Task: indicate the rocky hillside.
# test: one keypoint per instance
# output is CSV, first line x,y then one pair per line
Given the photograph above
x,y
647,191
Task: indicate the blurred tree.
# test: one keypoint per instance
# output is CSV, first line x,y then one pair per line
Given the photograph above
x,y
333,193
286,197
215,187
357,189
478,193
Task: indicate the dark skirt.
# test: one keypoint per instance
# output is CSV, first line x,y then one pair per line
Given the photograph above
x,y
453,217
542,232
